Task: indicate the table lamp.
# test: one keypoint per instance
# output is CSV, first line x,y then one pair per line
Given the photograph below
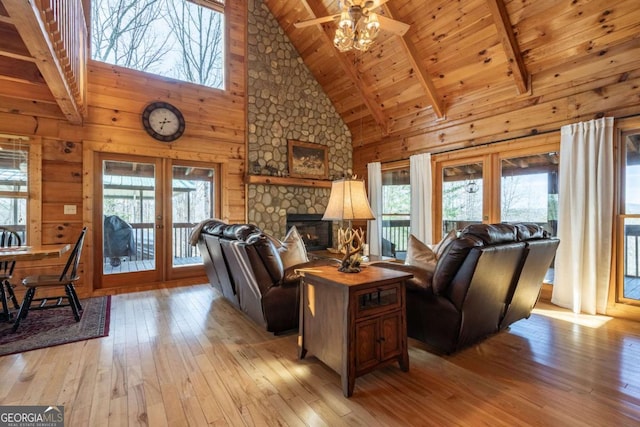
x,y
348,201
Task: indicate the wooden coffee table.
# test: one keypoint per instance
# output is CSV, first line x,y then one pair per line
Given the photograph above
x,y
354,322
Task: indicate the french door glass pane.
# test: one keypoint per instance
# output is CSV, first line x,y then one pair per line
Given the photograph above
x,y
128,195
396,206
192,202
461,196
529,188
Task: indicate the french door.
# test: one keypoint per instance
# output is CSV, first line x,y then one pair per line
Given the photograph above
x,y
148,208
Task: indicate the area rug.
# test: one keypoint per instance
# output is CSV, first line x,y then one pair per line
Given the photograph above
x,y
46,328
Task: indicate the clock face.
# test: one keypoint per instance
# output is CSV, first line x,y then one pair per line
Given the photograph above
x,y
163,121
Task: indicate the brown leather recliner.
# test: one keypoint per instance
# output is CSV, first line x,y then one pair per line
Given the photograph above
x,y
244,264
486,279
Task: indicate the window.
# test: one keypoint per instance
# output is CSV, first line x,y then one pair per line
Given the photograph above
x,y
396,208
170,38
14,193
529,190
629,231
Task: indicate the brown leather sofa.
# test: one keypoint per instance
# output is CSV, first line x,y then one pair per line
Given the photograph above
x,y
245,266
486,279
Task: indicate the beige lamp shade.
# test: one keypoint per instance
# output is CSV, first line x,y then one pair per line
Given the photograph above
x,y
348,201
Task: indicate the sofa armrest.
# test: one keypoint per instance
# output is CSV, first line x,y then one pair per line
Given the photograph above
x,y
421,277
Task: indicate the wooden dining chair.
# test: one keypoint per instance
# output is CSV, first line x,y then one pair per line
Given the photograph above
x,y
8,239
66,280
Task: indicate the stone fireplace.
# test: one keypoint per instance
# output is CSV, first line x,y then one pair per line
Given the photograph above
x,y
286,103
317,234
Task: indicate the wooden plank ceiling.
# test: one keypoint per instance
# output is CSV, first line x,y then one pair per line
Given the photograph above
x,y
459,58
32,80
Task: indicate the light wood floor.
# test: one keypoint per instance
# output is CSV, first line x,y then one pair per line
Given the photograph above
x,y
184,356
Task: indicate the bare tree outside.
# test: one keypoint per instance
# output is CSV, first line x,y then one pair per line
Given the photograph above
x,y
171,38
123,33
199,36
525,198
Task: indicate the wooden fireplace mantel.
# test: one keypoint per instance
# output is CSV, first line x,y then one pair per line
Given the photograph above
x,y
285,180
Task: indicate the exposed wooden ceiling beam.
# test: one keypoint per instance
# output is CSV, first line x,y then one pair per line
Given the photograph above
x,y
421,72
14,55
510,44
11,44
27,90
26,17
16,69
30,107
368,97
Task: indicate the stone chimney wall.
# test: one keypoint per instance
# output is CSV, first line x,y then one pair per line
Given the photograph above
x,y
285,102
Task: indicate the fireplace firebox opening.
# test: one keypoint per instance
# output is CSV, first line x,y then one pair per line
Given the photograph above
x,y
316,233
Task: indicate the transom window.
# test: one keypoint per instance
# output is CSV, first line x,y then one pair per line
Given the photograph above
x,y
171,38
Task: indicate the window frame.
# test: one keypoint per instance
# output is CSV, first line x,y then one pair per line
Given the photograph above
x,y
621,216
491,157
33,196
390,167
214,5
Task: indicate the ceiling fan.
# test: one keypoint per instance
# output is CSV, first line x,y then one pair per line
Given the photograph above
x,y
358,24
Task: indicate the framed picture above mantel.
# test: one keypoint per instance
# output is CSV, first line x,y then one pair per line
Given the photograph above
x,y
307,160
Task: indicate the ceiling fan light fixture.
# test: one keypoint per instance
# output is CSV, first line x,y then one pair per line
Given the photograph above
x,y
345,23
361,39
357,24
373,24
342,42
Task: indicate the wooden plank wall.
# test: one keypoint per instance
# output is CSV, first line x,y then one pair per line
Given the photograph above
x,y
215,133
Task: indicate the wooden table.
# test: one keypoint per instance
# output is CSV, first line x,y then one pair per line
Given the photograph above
x,y
33,253
354,322
28,253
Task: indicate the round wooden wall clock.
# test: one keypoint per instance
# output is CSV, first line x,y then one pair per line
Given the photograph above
x,y
163,121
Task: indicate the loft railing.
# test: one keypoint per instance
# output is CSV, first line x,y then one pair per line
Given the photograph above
x,y
55,33
67,29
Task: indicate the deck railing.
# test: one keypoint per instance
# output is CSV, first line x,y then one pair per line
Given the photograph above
x,y
143,236
395,231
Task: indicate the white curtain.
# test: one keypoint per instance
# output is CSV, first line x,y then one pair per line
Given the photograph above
x,y
374,228
421,210
585,215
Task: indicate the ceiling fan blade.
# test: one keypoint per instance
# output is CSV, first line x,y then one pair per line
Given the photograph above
x,y
393,26
316,21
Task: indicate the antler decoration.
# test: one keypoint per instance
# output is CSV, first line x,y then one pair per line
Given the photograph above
x,y
351,242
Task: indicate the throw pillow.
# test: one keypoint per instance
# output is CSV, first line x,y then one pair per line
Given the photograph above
x,y
292,249
441,247
420,255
